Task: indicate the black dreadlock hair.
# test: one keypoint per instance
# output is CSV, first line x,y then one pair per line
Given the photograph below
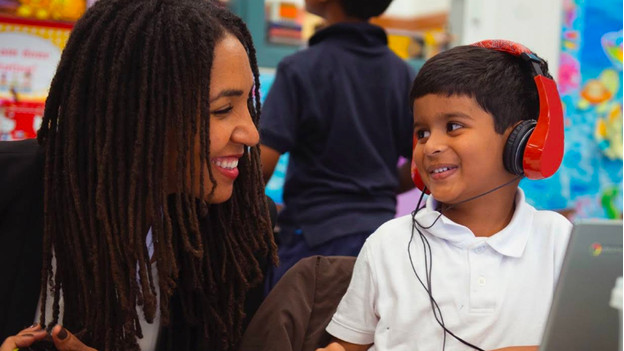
x,y
133,72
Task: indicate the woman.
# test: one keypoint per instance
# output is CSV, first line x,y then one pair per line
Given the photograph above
x,y
154,207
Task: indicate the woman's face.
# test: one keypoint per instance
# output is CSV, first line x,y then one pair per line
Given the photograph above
x,y
231,126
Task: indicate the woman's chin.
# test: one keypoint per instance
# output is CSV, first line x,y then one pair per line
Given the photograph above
x,y
219,196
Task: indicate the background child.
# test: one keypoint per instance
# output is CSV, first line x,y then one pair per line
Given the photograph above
x,y
341,109
475,268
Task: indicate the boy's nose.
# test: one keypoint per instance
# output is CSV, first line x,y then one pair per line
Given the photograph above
x,y
435,144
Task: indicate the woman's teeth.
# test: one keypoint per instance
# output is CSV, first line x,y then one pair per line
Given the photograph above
x,y
226,164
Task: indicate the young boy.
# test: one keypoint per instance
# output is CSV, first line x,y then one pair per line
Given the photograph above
x,y
476,267
340,107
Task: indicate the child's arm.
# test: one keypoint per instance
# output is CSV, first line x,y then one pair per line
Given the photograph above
x,y
340,345
269,158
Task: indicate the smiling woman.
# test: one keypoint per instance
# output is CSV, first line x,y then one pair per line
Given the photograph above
x,y
154,207
231,125
230,122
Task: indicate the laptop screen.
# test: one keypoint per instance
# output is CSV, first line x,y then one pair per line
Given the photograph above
x,y
580,317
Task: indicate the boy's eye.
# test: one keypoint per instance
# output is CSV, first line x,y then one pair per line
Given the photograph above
x,y
422,133
452,126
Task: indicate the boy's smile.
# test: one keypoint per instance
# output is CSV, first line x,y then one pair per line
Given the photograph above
x,y
458,153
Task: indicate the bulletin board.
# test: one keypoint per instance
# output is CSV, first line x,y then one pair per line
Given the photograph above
x,y
30,50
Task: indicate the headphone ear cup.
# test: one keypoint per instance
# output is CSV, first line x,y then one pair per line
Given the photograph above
x,y
414,171
513,155
416,177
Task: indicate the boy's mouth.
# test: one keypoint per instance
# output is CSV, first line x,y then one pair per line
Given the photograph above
x,y
440,169
440,172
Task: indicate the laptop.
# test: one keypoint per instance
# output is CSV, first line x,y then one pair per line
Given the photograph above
x,y
580,316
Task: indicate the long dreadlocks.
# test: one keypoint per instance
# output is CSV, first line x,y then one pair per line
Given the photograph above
x,y
133,72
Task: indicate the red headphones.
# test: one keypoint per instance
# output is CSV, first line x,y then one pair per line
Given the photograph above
x,y
534,147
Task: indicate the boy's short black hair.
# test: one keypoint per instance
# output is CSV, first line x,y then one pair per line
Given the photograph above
x,y
500,82
364,9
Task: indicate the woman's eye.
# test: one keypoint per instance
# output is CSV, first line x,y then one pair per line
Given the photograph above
x,y
222,111
453,126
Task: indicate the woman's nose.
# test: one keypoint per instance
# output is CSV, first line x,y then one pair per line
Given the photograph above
x,y
246,132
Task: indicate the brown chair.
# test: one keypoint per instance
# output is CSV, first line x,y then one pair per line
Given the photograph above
x,y
294,315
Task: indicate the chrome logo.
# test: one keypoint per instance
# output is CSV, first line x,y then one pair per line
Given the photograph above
x,y
596,249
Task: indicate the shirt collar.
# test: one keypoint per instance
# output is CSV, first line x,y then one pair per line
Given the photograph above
x,y
510,241
356,34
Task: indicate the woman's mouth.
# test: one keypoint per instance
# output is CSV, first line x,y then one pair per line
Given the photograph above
x,y
228,166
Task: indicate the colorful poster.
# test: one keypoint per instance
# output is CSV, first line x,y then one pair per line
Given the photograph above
x,y
57,10
589,182
29,53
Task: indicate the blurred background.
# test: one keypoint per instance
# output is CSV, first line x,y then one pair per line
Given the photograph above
x,y
580,39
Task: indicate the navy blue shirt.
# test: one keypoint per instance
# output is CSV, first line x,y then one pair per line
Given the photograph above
x,y
340,107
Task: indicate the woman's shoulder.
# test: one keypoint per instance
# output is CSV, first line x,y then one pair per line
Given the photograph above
x,y
20,169
19,147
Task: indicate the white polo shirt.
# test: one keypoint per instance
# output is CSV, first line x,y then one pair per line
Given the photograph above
x,y
493,292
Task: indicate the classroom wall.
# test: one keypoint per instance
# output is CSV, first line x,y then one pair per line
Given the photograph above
x,y
534,23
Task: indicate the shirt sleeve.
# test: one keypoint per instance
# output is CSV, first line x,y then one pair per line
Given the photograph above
x,y
280,112
355,319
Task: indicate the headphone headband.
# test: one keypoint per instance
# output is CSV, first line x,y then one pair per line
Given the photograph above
x,y
515,49
504,46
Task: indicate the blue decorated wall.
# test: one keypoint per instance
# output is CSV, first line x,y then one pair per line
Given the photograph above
x,y
589,182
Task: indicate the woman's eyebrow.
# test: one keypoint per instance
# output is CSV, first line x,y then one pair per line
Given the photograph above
x,y
227,93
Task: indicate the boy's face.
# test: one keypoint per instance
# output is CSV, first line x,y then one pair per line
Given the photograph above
x,y
458,153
